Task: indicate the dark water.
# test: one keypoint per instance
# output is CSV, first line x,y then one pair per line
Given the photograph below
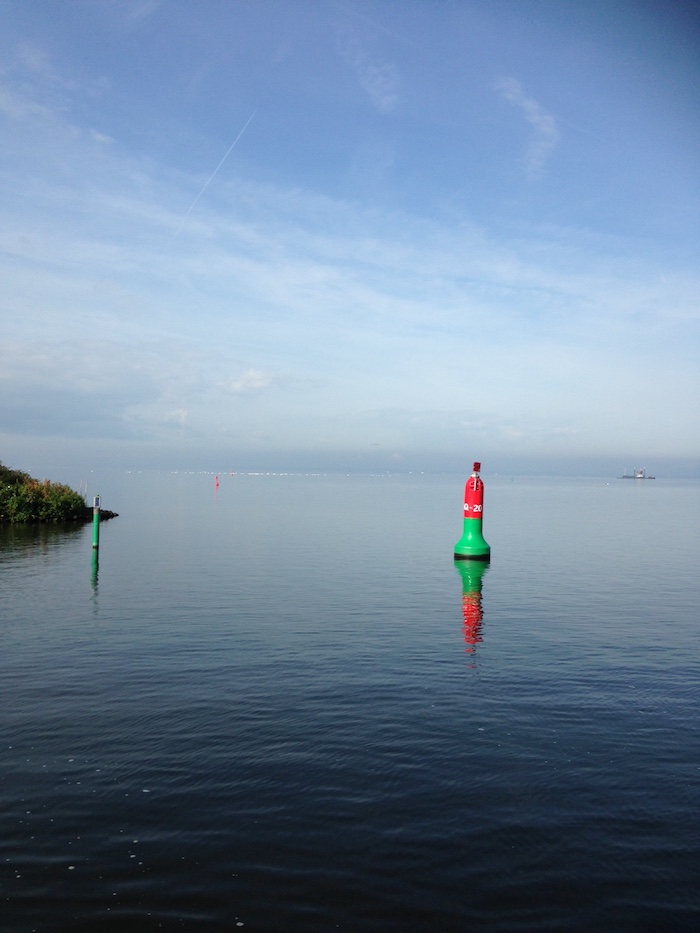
x,y
280,707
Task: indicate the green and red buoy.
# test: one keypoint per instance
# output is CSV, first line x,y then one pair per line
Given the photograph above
x,y
471,546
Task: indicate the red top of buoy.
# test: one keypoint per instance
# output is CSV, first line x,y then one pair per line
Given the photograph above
x,y
474,495
477,466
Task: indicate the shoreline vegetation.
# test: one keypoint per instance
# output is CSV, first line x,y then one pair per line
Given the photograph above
x,y
28,501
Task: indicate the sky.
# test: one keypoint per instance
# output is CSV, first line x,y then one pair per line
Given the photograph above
x,y
350,234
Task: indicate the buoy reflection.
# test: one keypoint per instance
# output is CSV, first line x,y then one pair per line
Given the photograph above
x,y
472,574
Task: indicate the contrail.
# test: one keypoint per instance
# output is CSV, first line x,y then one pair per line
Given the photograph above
x,y
211,177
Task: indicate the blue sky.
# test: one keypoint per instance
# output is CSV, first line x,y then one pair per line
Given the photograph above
x,y
387,235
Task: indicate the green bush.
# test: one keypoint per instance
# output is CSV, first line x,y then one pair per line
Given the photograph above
x,y
23,499
12,476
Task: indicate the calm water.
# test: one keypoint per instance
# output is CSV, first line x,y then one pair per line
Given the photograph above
x,y
279,707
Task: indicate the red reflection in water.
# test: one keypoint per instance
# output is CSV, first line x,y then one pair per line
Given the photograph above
x,y
473,617
471,573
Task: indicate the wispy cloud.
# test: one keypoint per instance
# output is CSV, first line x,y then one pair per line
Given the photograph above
x,y
378,78
545,135
17,106
64,389
35,60
141,9
345,308
32,87
126,15
252,380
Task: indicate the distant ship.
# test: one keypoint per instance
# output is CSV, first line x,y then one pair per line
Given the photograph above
x,y
637,474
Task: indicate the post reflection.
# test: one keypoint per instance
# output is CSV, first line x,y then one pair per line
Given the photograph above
x,y
472,573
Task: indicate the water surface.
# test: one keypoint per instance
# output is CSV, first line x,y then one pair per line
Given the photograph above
x,y
279,705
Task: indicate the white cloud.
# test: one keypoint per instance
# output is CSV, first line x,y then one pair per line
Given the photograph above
x,y
252,380
178,415
138,10
378,326
36,60
101,137
545,133
19,107
379,79
127,15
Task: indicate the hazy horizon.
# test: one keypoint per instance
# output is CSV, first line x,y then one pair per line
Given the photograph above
x,y
65,468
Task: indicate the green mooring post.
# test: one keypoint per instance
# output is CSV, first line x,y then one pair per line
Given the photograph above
x,y
96,523
95,567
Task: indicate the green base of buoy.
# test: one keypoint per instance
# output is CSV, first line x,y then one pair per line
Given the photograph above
x,y
471,546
